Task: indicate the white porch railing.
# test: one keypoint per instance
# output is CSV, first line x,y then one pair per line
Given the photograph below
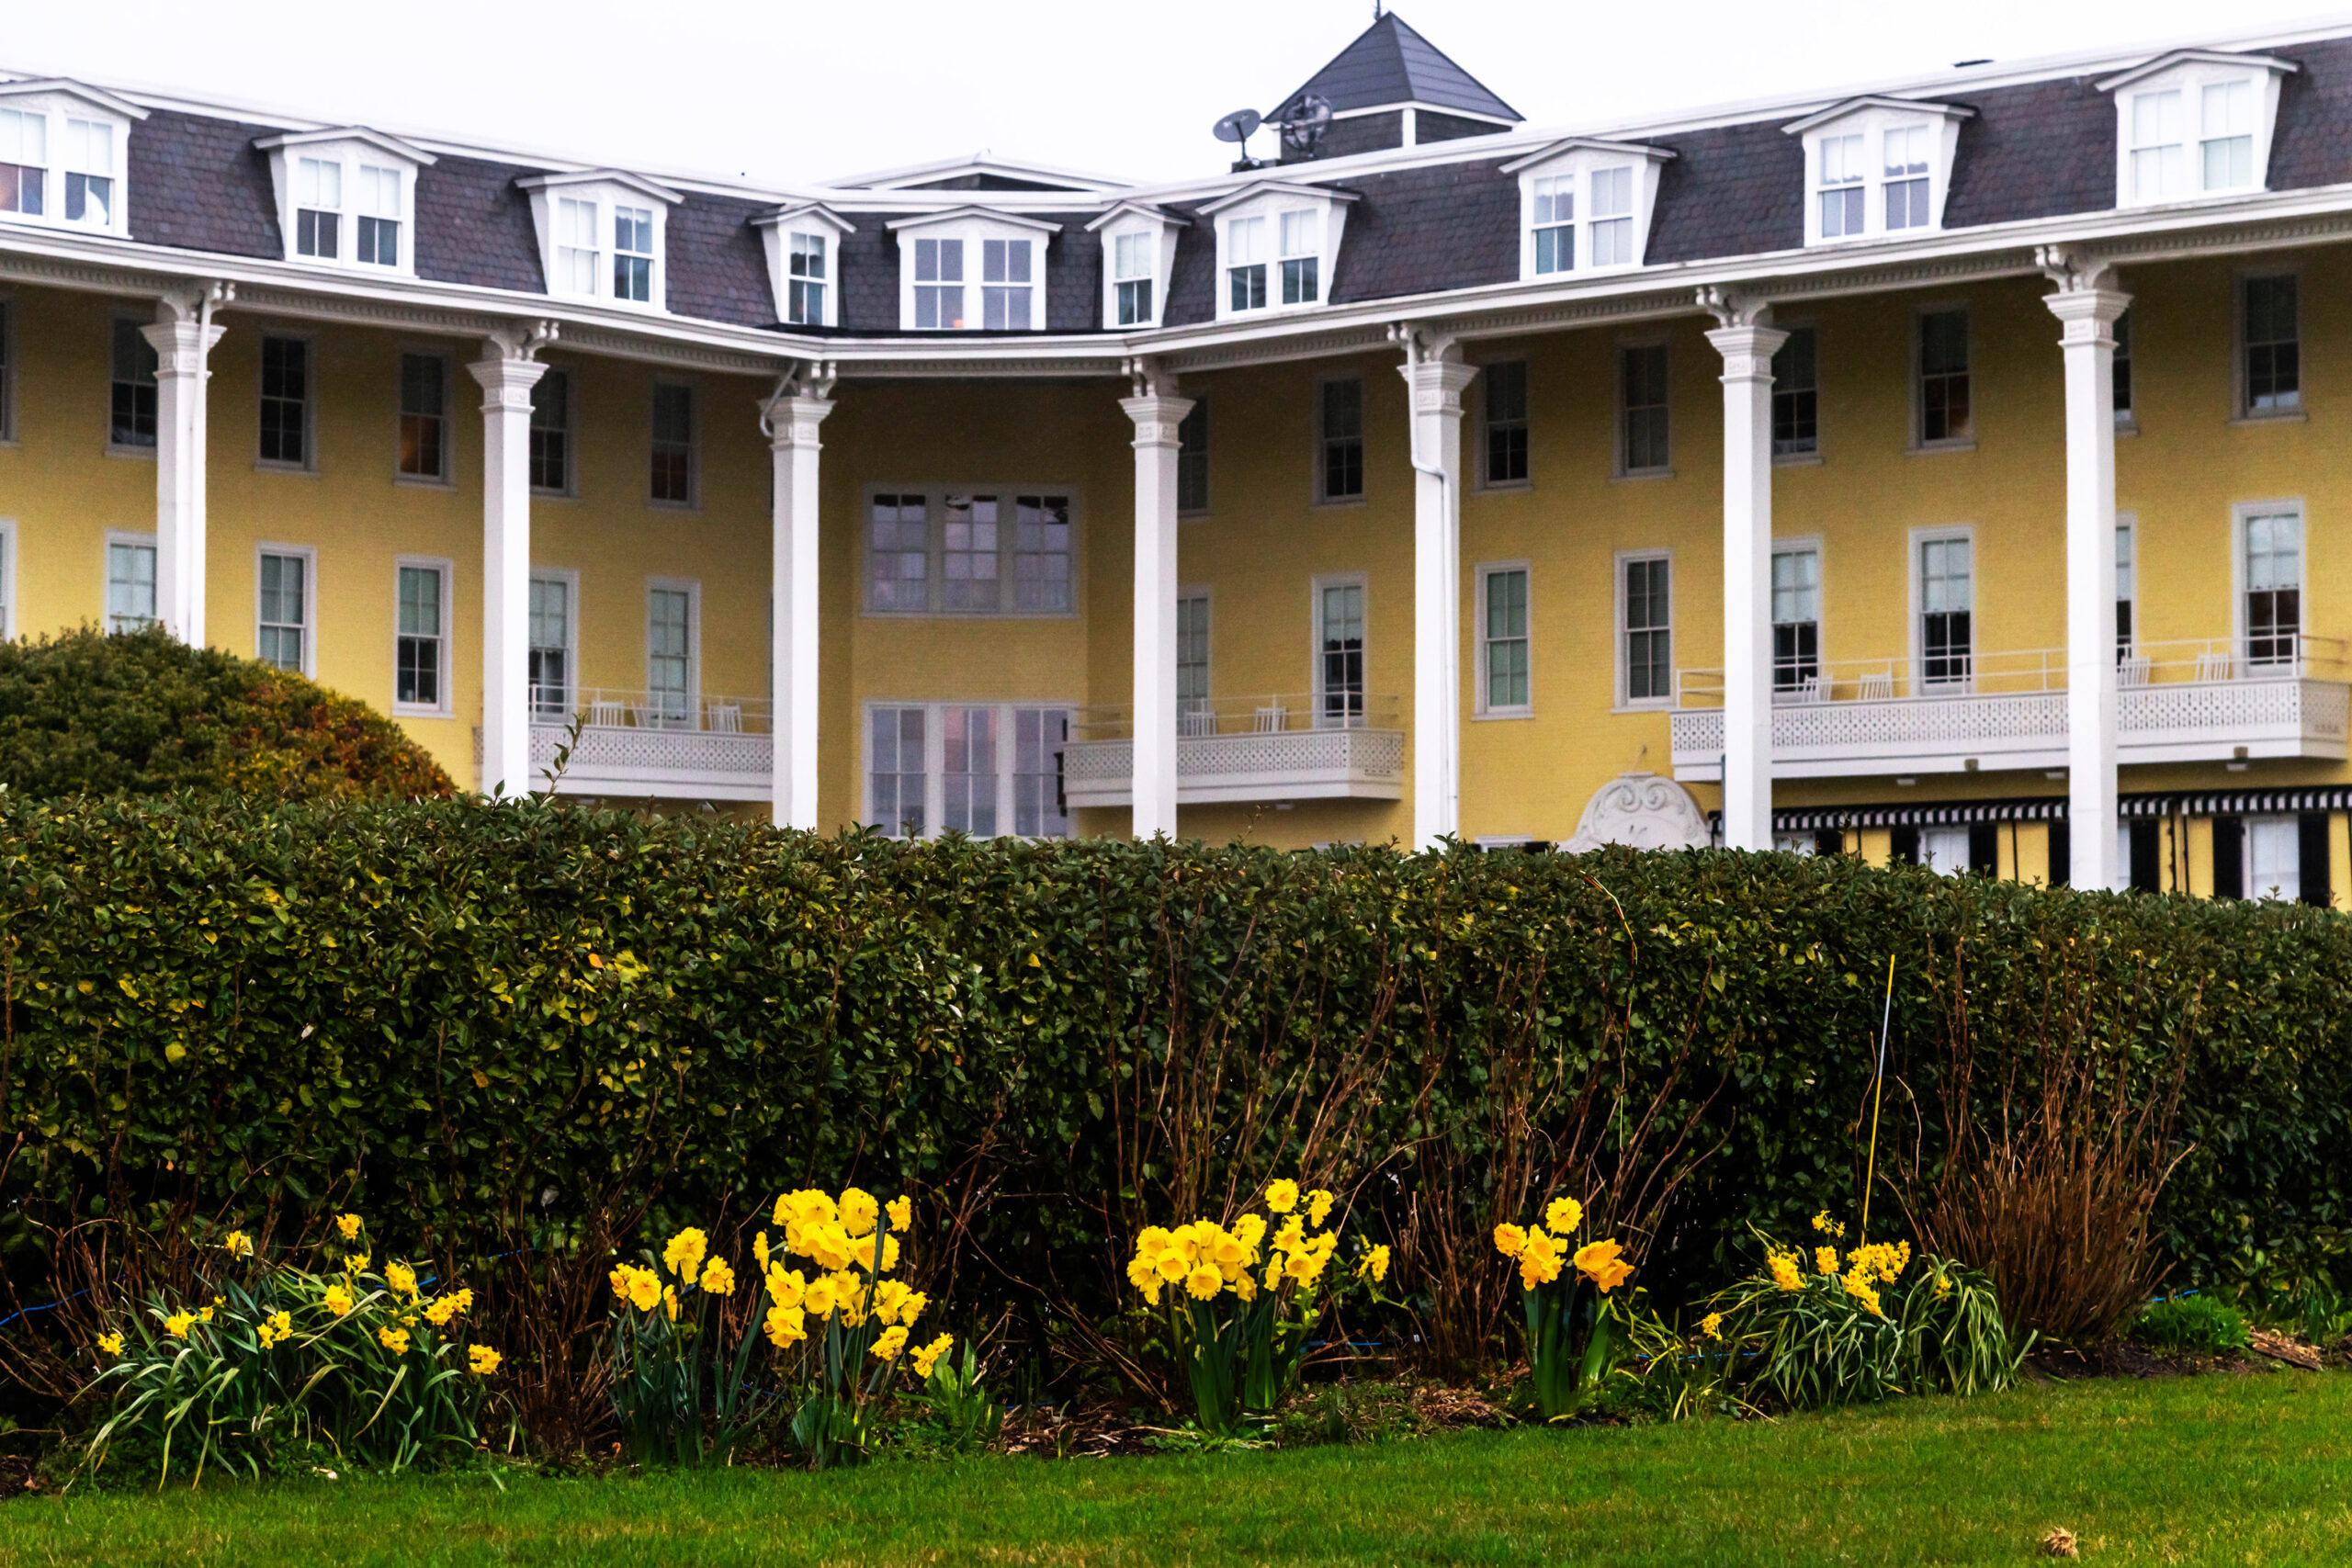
x,y
1312,746
666,745
2189,701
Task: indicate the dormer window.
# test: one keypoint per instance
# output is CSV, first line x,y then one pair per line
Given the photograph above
x,y
944,256
1877,167
346,197
1556,224
318,208
1131,276
1139,242
1607,189
803,246
1005,285
633,253
1302,259
602,235
24,162
806,304
79,134
939,285
1612,218
89,173
1277,244
2194,122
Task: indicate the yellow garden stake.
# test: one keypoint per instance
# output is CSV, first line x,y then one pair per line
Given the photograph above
x,y
1878,1088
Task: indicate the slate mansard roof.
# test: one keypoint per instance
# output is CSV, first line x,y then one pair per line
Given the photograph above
x,y
1426,219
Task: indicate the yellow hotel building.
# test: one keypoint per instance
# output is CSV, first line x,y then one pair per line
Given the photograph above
x,y
1939,470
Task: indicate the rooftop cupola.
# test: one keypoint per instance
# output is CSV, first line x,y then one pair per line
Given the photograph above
x,y
1391,88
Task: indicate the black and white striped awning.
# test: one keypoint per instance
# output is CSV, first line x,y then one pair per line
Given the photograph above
x,y
2052,809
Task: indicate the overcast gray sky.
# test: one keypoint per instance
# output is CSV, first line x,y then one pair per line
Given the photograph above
x,y
795,91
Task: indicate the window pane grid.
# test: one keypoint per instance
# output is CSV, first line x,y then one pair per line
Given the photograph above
x,y
968,772
1504,632
2273,349
1649,638
285,399
899,551
673,444
424,416
1797,618
669,655
1506,412
2274,583
284,606
551,433
1944,412
550,648
1041,552
1644,378
896,772
1946,599
131,587
416,679
133,387
1193,459
1796,429
1039,810
1340,633
1193,655
1342,422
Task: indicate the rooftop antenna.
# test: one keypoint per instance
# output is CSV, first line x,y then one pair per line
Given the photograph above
x,y
1236,127
1303,131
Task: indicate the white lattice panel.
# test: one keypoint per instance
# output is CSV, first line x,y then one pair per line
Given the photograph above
x,y
685,765
1290,764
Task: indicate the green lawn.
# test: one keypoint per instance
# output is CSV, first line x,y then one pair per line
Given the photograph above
x,y
2214,1469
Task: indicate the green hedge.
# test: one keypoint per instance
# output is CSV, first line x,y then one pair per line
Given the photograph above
x,y
138,713
450,1011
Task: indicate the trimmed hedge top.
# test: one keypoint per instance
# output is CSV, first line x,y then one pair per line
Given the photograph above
x,y
138,713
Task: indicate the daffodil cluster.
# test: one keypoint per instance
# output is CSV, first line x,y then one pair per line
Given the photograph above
x,y
850,1250
1557,1337
1541,1251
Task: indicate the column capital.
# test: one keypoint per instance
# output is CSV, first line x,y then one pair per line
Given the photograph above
x,y
182,344
790,420
506,381
1747,350
1158,417
1434,370
2087,316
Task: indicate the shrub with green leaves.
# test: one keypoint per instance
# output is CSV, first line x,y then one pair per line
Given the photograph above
x,y
140,712
2191,1326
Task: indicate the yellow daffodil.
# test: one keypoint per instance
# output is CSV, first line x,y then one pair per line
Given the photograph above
x,y
1374,1265
1282,1196
1834,1229
1862,1292
393,1340
402,1279
440,1310
178,1324
1540,1263
717,1279
349,1225
110,1342
481,1360
818,1297
786,1326
1203,1282
237,1244
760,1250
1563,1216
888,1344
669,1300
1784,1270
1509,1240
859,1211
1600,1262
785,1285
355,1263
928,1357
338,1299
1318,1207
902,1212
684,1253
1250,1230
1712,1325
1824,1259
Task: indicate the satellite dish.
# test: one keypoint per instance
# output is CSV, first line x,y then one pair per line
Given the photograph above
x,y
1237,126
1304,126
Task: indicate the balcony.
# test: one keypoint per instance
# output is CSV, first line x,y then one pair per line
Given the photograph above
x,y
639,744
1241,750
2177,702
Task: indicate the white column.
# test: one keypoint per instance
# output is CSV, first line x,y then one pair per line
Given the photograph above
x,y
507,374
183,337
2086,313
1157,415
1748,348
791,420
1435,376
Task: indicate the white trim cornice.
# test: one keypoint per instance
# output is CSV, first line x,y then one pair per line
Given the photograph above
x,y
1143,209
1567,144
636,183
1845,107
1255,189
2171,58
67,87
805,212
392,145
968,212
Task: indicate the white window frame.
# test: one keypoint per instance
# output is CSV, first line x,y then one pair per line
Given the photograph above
x,y
56,101
568,578
1316,688
1792,545
935,549
975,225
2189,72
2240,632
2127,527
1484,708
569,382
2244,412
1920,442
1581,160
1871,118
448,478
8,578
1320,493
1267,201
935,757
1623,423
1915,574
1618,631
310,342
2290,889
777,230
692,589
448,571
1131,219
606,189
350,149
693,502
106,571
1206,597
308,556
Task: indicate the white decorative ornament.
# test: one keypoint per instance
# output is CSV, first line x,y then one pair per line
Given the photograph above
x,y
1643,811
